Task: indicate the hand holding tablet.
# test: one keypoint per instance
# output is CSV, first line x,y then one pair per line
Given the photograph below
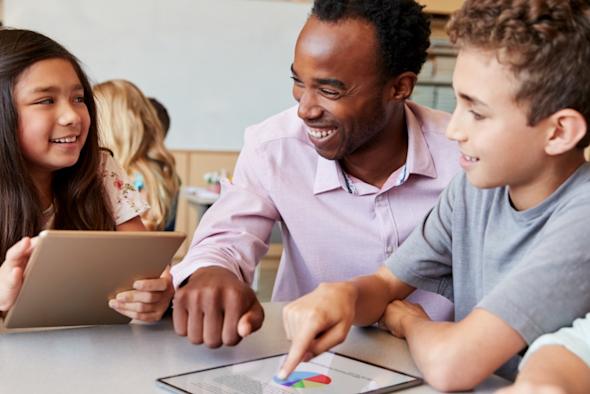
x,y
148,300
12,272
71,275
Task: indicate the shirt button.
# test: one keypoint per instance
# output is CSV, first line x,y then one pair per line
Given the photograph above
x,y
389,250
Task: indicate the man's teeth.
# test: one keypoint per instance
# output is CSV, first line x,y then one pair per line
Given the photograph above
x,y
470,158
65,140
319,133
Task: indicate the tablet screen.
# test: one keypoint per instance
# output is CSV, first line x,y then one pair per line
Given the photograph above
x,y
326,373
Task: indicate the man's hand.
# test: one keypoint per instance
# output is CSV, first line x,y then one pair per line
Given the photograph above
x,y
216,308
11,271
148,300
399,311
317,322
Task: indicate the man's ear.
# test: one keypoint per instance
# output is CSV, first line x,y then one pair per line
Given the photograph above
x,y
568,127
402,86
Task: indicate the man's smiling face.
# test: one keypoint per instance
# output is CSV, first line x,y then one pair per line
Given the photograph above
x,y
339,85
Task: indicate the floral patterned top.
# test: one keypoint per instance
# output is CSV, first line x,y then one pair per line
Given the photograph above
x,y
125,200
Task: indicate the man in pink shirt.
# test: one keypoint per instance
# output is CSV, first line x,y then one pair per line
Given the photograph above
x,y
348,173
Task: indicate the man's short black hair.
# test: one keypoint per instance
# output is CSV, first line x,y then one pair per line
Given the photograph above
x,y
403,30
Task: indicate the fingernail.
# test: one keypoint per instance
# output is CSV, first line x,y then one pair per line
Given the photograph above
x,y
120,297
282,375
112,303
135,285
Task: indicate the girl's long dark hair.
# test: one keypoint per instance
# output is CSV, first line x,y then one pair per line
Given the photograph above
x,y
79,195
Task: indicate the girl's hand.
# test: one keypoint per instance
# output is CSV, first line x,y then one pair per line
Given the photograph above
x,y
11,271
149,299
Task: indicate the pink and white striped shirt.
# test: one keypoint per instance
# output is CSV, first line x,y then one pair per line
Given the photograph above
x,y
331,231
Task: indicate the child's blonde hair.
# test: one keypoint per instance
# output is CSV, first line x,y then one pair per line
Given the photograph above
x,y
129,126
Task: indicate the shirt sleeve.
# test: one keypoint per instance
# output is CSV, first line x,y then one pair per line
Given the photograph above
x,y
234,233
576,339
554,275
424,260
125,200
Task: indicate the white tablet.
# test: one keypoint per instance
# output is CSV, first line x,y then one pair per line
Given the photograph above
x,y
71,275
328,373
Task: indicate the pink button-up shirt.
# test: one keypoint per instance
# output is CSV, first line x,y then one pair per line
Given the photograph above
x,y
329,234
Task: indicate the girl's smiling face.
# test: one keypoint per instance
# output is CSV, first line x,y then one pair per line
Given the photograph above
x,y
53,120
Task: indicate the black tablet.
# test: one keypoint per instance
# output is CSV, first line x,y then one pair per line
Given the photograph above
x,y
327,373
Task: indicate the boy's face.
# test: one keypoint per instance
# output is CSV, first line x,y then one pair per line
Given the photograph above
x,y
497,146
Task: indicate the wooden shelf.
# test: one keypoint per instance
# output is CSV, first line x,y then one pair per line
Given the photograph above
x,y
442,7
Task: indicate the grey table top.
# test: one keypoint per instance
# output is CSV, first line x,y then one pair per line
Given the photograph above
x,y
128,358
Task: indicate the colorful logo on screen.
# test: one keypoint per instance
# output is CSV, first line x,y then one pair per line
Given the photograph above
x,y
304,380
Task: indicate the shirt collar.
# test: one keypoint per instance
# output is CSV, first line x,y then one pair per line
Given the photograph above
x,y
327,176
419,161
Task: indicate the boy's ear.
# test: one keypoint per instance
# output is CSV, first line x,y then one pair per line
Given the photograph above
x,y
402,86
568,127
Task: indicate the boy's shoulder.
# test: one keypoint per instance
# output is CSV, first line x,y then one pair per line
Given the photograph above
x,y
576,189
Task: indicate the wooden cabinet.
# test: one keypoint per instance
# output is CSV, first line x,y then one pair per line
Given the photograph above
x,y
442,7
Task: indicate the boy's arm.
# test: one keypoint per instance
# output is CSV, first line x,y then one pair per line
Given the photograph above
x,y
321,319
454,356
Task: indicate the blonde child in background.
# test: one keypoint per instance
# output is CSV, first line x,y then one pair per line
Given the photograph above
x,y
130,127
53,173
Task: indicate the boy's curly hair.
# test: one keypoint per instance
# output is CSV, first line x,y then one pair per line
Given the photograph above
x,y
403,30
546,43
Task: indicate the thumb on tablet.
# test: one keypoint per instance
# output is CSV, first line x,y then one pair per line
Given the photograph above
x,y
10,288
19,253
15,279
251,320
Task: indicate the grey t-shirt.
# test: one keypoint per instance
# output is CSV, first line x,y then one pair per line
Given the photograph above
x,y
530,268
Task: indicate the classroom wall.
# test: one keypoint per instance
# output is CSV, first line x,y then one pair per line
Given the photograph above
x,y
218,65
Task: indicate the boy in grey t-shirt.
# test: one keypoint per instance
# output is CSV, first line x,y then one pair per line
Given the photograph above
x,y
508,240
